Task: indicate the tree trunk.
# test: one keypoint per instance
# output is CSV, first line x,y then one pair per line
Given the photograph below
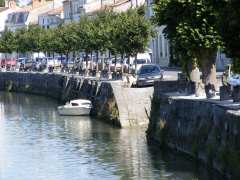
x,y
194,76
109,65
135,64
122,68
67,58
102,62
129,70
86,58
91,62
208,66
115,64
97,67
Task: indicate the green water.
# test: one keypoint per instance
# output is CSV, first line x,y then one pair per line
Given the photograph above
x,y
38,144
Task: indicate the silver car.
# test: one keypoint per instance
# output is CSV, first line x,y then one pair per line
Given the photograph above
x,y
148,74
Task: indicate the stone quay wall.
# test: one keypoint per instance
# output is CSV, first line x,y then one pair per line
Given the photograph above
x,y
206,130
113,103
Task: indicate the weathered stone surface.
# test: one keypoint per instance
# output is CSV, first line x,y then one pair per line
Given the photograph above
x,y
162,87
225,93
134,104
236,94
123,107
207,130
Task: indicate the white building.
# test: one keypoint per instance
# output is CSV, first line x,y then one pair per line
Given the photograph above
x,y
159,45
74,9
17,19
51,19
28,15
4,12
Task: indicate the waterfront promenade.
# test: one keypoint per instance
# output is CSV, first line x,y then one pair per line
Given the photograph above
x,y
113,101
204,129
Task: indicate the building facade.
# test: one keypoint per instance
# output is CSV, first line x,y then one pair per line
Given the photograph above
x,y
4,12
17,20
51,19
73,9
160,44
26,15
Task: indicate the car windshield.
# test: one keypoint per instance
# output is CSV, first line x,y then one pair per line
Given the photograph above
x,y
140,61
75,104
61,58
118,61
20,60
149,69
86,104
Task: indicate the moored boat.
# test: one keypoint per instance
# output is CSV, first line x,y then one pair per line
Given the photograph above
x,y
77,107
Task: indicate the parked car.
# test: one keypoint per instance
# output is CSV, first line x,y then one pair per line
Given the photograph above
x,y
52,63
148,74
8,63
20,63
142,58
24,64
28,65
119,64
234,80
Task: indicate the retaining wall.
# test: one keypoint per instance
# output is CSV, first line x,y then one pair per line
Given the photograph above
x,y
113,103
206,130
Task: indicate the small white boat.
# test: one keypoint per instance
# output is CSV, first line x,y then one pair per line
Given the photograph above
x,y
78,107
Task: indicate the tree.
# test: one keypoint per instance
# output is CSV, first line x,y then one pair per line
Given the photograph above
x,y
33,39
85,37
229,28
7,44
192,26
102,29
64,39
133,33
2,3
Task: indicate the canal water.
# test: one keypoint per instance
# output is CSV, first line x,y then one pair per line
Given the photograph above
x,y
38,144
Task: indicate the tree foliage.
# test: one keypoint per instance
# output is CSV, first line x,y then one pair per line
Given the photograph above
x,y
7,44
192,27
133,32
120,33
191,23
2,3
229,28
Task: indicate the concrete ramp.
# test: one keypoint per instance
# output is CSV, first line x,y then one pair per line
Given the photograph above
x,y
133,104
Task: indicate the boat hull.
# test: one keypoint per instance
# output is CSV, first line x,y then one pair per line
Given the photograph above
x,y
73,111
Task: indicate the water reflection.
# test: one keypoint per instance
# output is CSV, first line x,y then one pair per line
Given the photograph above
x,y
36,143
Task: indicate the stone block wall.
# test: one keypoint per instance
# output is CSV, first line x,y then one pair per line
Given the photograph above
x,y
122,107
202,129
161,87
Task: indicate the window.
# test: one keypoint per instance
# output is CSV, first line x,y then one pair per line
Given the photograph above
x,y
140,61
160,45
74,104
149,69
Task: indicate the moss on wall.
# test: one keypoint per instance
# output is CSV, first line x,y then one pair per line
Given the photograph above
x,y
201,129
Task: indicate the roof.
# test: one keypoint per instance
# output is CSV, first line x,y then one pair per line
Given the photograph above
x,y
66,1
55,11
80,101
3,9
